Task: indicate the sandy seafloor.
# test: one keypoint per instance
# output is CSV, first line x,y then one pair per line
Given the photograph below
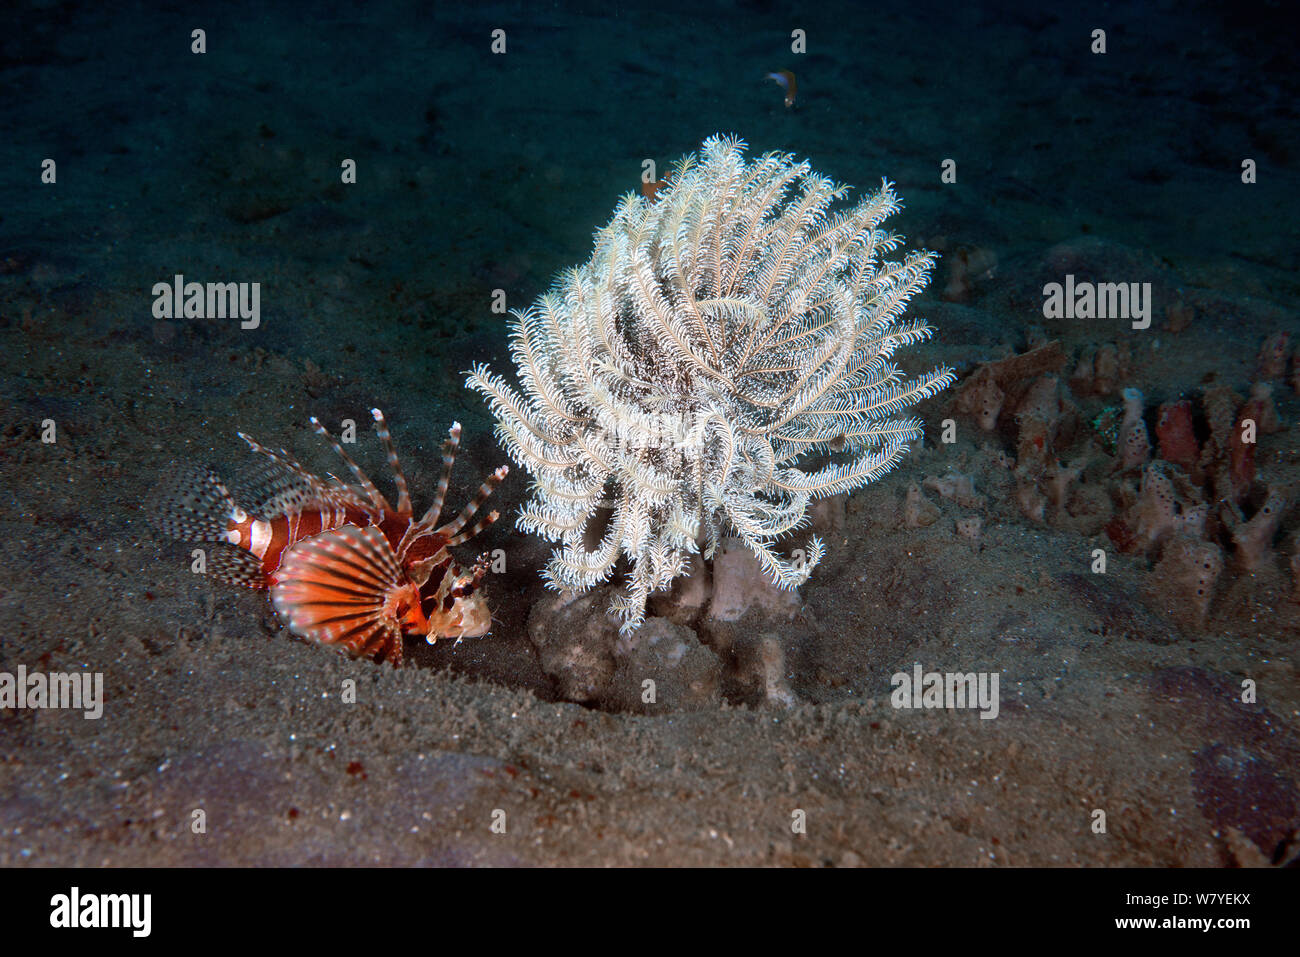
x,y
480,172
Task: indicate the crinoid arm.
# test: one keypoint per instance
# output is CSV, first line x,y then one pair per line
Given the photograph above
x,y
726,356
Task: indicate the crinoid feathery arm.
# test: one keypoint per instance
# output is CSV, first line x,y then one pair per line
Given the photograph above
x,y
740,305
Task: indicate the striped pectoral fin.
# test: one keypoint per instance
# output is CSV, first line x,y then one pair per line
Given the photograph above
x,y
346,587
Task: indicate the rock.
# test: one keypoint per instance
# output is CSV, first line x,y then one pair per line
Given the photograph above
x,y
956,487
1271,361
688,596
1178,316
740,584
687,675
828,514
985,391
580,648
574,637
1253,540
918,511
760,664
1134,441
970,527
1176,436
1183,582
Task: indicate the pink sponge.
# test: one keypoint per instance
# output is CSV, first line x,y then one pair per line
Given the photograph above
x,y
1184,579
1176,436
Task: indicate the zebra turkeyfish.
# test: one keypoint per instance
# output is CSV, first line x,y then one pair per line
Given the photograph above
x,y
343,566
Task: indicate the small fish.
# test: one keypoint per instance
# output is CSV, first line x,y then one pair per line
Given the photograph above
x,y
344,567
785,80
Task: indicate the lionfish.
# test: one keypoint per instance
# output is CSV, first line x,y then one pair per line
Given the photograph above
x,y
344,567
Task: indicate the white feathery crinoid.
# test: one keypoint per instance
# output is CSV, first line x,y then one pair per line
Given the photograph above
x,y
717,340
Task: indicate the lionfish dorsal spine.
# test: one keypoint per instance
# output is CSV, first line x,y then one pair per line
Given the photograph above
x,y
453,529
288,466
372,492
429,520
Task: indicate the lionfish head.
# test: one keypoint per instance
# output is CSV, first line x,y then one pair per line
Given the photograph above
x,y
453,603
469,618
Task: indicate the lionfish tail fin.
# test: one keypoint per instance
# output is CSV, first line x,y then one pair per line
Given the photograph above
x,y
347,588
191,504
